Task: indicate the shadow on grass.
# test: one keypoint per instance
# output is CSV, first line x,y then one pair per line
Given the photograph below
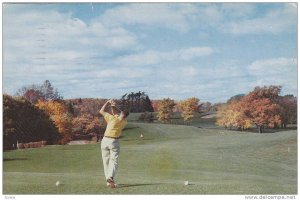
x,y
136,139
136,185
270,130
14,159
130,128
255,130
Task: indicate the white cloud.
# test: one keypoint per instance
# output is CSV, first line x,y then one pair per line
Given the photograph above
x,y
59,36
273,21
120,73
34,39
110,55
192,52
139,59
172,16
155,57
237,10
46,44
275,71
180,75
268,67
233,18
229,69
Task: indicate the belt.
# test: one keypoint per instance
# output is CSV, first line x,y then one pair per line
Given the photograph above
x,y
111,137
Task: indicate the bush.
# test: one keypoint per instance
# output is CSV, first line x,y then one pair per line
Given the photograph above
x,y
146,117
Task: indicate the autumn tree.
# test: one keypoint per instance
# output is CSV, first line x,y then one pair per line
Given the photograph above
x,y
271,92
288,104
91,106
262,108
86,117
263,113
86,124
226,116
58,113
242,122
33,93
188,108
232,116
95,127
165,109
23,123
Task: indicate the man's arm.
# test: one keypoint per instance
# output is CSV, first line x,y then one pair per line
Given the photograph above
x,y
102,110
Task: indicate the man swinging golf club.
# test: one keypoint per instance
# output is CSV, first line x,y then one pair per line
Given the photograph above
x,y
110,146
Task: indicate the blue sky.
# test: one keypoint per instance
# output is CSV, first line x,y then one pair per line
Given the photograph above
x,y
179,50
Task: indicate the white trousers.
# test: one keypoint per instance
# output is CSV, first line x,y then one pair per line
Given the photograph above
x,y
110,149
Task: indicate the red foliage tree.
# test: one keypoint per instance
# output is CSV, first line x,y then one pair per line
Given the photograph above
x,y
262,108
262,112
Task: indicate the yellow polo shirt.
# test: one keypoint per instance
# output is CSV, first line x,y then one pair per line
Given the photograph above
x,y
114,125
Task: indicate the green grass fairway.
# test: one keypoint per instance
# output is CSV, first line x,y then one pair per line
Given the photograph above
x,y
213,161
176,118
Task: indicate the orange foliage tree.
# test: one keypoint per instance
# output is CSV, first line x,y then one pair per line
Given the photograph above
x,y
165,109
232,116
58,113
86,117
188,107
86,124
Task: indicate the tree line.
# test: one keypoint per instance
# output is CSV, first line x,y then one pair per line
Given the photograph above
x,y
39,113
187,108
261,108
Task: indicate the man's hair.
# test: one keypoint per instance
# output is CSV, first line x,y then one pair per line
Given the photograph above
x,y
126,113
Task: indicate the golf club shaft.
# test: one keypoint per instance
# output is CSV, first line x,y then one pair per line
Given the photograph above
x,y
117,108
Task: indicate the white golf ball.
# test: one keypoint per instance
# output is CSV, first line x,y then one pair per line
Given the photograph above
x,y
186,182
57,183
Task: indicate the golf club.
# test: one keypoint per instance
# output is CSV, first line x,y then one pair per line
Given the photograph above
x,y
117,107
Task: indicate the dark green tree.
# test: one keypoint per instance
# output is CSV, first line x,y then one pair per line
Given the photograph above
x,y
136,102
23,123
